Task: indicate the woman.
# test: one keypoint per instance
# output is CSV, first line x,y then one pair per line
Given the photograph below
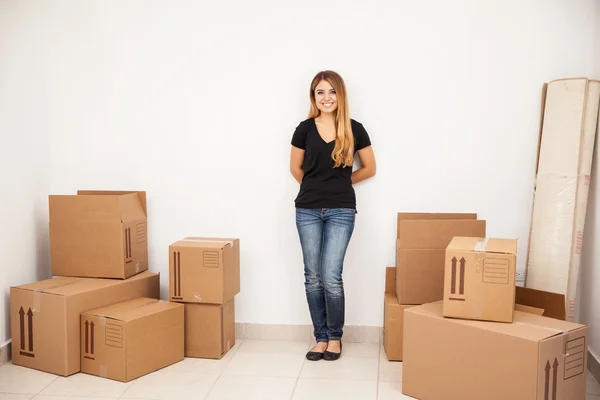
x,y
323,148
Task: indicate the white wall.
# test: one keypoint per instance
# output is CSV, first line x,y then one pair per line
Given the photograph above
x,y
589,295
196,103
24,123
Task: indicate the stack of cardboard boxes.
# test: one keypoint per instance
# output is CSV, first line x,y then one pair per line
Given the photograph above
x,y
418,277
483,337
101,313
204,275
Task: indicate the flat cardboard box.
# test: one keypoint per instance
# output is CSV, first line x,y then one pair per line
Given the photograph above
x,y
479,280
407,216
45,316
420,276
98,234
209,329
393,318
436,234
127,340
533,358
204,270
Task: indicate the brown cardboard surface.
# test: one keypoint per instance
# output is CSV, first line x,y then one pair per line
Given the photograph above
x,y
480,283
98,234
419,276
209,329
528,309
45,316
204,270
436,234
533,358
553,304
130,339
404,216
393,319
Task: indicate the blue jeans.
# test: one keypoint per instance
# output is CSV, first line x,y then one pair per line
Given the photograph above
x,y
324,237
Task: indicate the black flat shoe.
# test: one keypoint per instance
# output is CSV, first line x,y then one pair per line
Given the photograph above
x,y
314,355
329,356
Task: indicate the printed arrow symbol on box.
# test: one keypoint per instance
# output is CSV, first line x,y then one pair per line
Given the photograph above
x,y
86,337
547,384
92,338
22,320
30,322
453,282
554,378
461,289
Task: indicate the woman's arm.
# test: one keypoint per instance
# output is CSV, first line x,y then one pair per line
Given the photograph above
x,y
296,160
369,167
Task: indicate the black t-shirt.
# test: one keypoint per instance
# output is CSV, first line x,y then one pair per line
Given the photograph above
x,y
324,186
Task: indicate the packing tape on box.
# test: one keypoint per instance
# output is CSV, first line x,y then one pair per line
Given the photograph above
x,y
563,333
197,297
137,268
481,245
37,303
229,242
102,322
103,372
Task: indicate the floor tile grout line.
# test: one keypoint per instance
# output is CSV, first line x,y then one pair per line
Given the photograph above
x,y
234,353
299,373
379,347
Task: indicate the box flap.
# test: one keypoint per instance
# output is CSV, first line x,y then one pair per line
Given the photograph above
x,y
403,216
390,280
131,208
490,245
212,243
141,195
66,286
528,309
133,309
553,304
50,285
528,326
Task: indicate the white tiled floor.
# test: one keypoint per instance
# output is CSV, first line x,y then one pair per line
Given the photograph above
x,y
253,369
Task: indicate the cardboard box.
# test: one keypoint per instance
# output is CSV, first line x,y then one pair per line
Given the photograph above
x,y
204,270
533,358
479,280
209,329
393,318
420,249
130,339
98,234
45,316
420,276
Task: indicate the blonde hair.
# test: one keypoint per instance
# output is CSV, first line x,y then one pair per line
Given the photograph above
x,y
343,152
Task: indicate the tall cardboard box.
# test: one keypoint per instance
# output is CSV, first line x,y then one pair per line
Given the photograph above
x,y
533,358
421,242
204,270
130,339
98,234
209,329
480,279
393,318
45,316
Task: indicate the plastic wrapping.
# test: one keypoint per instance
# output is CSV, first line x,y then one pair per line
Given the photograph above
x,y
562,185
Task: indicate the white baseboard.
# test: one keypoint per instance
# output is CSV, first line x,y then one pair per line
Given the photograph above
x,y
352,333
5,355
